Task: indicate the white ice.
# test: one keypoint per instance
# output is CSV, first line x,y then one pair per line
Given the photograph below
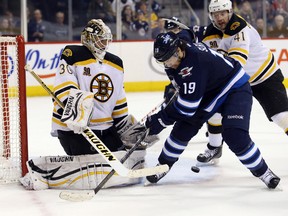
x,y
227,189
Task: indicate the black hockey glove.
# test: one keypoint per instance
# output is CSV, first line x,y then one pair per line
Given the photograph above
x,y
169,92
157,122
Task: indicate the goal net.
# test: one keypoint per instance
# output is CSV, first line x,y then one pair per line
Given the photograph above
x,y
13,121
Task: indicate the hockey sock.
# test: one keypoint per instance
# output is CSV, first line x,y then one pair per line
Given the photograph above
x,y
215,140
215,129
253,160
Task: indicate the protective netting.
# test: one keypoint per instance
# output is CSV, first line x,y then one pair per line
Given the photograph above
x,y
10,109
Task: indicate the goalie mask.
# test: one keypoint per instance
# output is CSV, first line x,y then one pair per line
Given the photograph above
x,y
96,36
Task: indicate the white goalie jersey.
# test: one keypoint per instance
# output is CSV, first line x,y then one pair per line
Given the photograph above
x,y
242,42
80,70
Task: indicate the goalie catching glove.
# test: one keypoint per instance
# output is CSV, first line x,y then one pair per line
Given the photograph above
x,y
130,131
78,109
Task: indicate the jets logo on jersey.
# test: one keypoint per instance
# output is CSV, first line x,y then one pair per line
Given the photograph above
x,y
185,72
167,38
102,87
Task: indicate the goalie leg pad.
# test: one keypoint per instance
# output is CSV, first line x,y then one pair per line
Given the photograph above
x,y
78,172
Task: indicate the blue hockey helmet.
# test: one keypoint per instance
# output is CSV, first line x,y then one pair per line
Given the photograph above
x,y
165,45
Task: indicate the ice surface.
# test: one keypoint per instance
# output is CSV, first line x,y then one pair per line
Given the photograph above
x,y
227,189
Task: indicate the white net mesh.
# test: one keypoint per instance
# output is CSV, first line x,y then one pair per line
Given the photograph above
x,y
10,124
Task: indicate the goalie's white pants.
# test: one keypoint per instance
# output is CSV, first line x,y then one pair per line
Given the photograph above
x,y
78,172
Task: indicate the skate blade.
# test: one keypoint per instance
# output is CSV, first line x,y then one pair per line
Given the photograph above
x,y
213,162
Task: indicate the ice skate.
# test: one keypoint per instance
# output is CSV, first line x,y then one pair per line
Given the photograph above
x,y
270,179
210,156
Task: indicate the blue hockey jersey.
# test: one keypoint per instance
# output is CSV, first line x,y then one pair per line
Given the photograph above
x,y
204,79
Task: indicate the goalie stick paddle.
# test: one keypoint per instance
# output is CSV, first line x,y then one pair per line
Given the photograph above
x,y
101,148
78,196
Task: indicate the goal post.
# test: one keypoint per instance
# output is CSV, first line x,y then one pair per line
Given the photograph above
x,y
13,113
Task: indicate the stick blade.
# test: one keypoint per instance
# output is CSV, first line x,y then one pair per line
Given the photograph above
x,y
148,171
76,196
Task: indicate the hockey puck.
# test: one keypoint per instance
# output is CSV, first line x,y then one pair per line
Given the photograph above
x,y
195,169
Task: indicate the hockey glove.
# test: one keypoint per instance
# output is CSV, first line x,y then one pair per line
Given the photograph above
x,y
131,131
169,92
157,122
78,109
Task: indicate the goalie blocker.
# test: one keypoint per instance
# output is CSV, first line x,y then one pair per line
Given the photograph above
x,y
78,110
78,172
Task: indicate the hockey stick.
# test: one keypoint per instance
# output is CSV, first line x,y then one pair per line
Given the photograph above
x,y
181,25
101,148
77,196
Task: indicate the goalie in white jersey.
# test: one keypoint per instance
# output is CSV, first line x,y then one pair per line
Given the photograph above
x,y
92,69
231,35
90,82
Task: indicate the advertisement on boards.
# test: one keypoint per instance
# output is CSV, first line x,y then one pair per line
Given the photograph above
x,y
141,71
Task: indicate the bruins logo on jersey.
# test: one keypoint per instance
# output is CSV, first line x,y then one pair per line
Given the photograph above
x,y
102,87
234,25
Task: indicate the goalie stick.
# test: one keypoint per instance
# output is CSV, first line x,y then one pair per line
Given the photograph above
x,y
77,196
100,147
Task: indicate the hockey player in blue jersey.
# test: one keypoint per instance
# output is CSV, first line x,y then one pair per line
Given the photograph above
x,y
173,24
207,82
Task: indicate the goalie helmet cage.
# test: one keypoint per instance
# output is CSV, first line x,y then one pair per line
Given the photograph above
x,y
13,114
